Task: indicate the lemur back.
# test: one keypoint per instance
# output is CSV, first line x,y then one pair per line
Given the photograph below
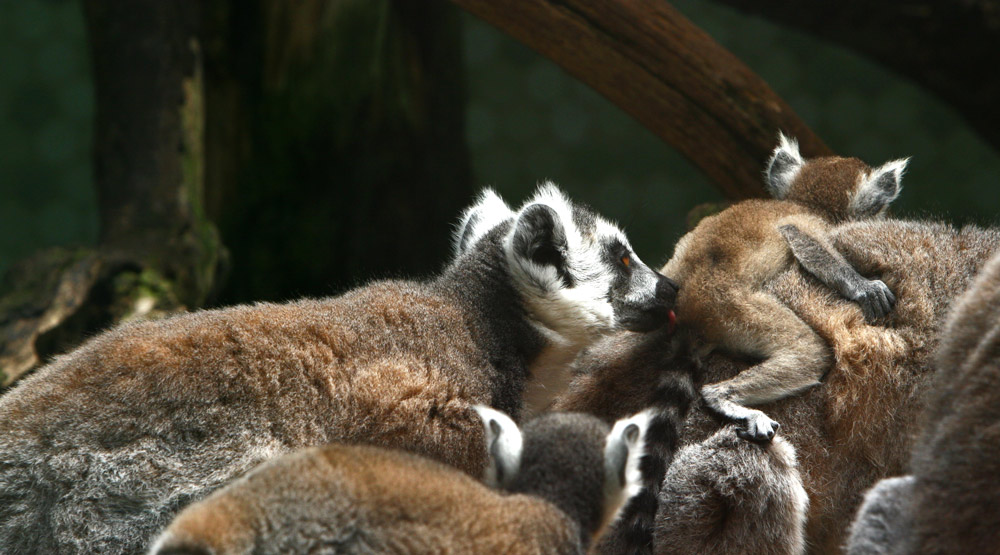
x,y
723,265
862,424
559,483
100,448
725,495
948,504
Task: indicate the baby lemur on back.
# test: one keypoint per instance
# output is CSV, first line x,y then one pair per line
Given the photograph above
x,y
102,447
723,264
558,485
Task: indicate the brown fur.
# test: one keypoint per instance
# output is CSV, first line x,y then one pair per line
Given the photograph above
x,y
957,457
359,499
103,446
722,267
724,484
859,426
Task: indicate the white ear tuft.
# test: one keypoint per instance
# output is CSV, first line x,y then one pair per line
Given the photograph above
x,y
488,212
878,189
623,449
782,167
503,446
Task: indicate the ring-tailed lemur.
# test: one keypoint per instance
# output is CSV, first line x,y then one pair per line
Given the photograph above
x,y
556,486
948,502
724,495
723,264
862,424
100,448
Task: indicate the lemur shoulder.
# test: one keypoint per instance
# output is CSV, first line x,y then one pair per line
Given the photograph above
x,y
100,448
552,488
723,264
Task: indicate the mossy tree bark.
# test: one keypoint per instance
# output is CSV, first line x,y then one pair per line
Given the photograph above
x,y
157,252
326,137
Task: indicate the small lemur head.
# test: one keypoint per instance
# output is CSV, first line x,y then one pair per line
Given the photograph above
x,y
573,460
576,271
841,188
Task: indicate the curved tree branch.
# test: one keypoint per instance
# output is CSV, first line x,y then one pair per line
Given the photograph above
x,y
947,47
664,71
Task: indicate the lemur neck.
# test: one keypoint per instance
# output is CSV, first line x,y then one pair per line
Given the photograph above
x,y
480,282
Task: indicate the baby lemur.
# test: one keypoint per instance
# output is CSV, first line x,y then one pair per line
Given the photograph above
x,y
551,489
723,264
102,447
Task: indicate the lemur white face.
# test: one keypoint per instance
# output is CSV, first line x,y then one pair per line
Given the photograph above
x,y
577,272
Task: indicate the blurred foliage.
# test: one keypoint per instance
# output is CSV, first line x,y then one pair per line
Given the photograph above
x,y
526,121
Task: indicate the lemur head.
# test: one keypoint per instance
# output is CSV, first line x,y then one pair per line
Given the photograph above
x,y
841,188
576,271
573,460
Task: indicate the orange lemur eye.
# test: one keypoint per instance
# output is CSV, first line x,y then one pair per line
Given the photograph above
x,y
626,260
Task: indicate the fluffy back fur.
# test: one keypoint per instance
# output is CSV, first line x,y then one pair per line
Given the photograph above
x,y
859,426
100,448
726,495
357,499
884,525
724,263
956,459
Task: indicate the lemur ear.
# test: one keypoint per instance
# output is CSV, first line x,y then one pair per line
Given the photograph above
x,y
623,448
503,446
782,167
489,211
878,189
539,236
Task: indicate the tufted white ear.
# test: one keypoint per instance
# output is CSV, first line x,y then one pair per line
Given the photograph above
x,y
782,167
488,212
623,449
503,446
878,189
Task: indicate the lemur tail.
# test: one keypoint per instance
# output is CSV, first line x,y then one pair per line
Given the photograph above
x,y
632,532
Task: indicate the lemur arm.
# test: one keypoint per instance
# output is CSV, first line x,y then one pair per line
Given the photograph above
x,y
632,532
820,259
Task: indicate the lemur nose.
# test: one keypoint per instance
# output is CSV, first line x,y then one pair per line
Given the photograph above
x,y
666,290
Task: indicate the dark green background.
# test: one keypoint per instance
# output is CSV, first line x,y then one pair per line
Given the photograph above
x,y
526,121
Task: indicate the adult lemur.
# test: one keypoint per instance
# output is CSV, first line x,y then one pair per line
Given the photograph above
x,y
99,449
861,425
723,264
558,485
948,504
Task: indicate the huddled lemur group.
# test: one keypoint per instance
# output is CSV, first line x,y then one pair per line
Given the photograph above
x,y
388,419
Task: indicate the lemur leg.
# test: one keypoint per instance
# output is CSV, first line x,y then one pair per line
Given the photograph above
x,y
795,358
820,259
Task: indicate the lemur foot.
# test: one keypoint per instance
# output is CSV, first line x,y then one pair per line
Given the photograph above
x,y
758,428
875,299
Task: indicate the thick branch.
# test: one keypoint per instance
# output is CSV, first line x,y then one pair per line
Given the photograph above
x,y
948,47
665,72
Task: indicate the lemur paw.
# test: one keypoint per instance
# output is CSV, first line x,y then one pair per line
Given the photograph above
x,y
758,428
875,299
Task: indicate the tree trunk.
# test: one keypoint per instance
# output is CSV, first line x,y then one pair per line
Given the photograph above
x,y
336,145
157,252
665,72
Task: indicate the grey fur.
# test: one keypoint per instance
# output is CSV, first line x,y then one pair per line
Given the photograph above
x,y
884,525
352,499
862,423
100,448
724,495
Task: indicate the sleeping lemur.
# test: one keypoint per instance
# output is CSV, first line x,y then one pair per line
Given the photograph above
x,y
554,488
723,265
104,445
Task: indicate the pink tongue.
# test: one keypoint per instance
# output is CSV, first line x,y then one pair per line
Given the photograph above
x,y
671,322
